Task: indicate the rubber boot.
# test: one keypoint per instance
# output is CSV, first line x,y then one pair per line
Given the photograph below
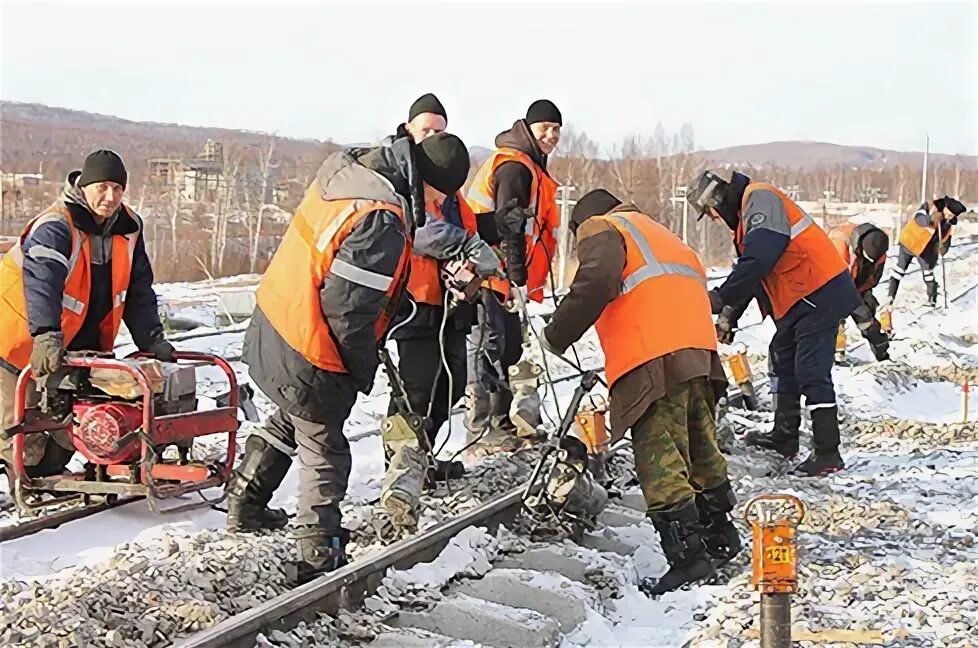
x,y
501,422
783,438
825,458
682,543
932,293
320,552
891,290
719,533
252,485
53,462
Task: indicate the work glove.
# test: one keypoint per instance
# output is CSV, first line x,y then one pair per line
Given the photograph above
x,y
161,350
726,325
48,354
547,346
514,251
716,301
944,247
483,257
879,343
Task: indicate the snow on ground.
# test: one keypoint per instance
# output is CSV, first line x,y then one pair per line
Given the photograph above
x,y
925,486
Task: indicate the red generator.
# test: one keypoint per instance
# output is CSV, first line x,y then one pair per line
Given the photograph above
x,y
121,415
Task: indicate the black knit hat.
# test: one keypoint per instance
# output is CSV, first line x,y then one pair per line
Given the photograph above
x,y
427,103
443,162
954,206
875,243
103,166
594,203
543,110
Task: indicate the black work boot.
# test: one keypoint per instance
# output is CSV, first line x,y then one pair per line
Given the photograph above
x,y
719,533
682,543
825,458
53,462
320,552
783,439
444,470
252,485
932,293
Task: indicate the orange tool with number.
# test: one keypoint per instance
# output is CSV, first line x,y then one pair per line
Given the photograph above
x,y
775,562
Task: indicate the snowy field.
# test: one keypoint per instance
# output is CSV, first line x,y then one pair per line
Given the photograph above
x,y
889,541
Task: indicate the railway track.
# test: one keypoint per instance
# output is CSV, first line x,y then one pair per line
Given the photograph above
x,y
348,587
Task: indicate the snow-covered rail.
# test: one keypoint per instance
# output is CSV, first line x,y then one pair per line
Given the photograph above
x,y
349,586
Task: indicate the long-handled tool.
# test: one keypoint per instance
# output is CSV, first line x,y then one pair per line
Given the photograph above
x,y
940,250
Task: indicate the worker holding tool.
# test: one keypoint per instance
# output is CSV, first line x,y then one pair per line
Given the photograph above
x,y
514,200
863,248
323,305
790,266
79,270
437,329
644,290
925,236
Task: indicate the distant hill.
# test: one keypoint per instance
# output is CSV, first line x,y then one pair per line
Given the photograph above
x,y
807,155
59,138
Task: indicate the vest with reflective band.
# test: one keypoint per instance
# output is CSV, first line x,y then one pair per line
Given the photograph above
x,y
15,340
288,293
809,262
845,238
663,306
915,237
541,242
424,284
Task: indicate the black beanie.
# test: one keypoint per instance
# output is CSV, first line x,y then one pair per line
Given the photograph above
x,y
543,110
954,206
875,243
427,103
443,162
594,203
103,166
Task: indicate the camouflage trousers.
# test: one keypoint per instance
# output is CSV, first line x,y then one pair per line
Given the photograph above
x,y
676,454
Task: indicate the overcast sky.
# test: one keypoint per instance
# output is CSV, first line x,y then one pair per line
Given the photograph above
x,y
872,73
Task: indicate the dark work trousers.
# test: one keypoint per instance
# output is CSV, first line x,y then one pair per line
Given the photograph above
x,y
324,459
494,345
802,353
419,361
927,263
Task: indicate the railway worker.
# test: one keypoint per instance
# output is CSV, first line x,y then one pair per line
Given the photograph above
x,y
513,187
78,271
644,291
450,230
925,236
787,263
323,305
863,249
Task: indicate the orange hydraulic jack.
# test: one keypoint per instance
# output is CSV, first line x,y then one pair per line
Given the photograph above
x,y
886,320
594,430
775,562
740,368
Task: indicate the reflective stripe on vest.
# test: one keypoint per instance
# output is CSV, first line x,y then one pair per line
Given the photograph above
x,y
652,268
809,261
660,309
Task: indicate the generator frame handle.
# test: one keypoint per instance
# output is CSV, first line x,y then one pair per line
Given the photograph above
x,y
103,362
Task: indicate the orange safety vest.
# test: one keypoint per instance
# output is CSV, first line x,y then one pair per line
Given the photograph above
x,y
841,237
541,243
15,340
424,284
663,306
288,293
809,262
915,237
